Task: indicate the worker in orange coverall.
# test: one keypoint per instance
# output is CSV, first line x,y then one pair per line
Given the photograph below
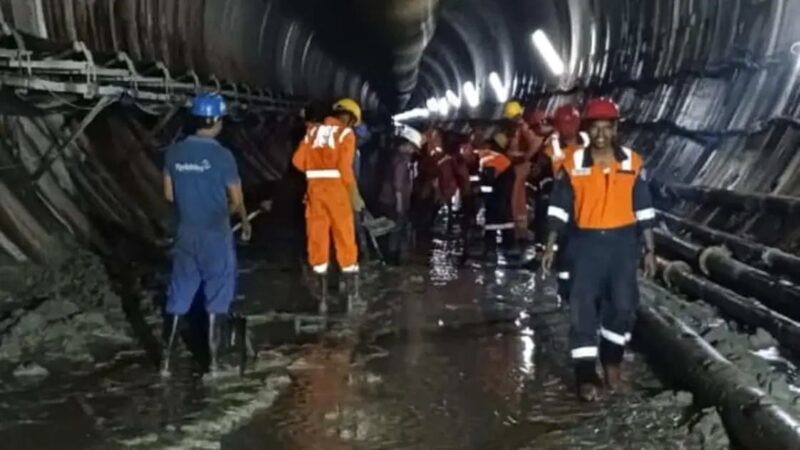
x,y
325,155
522,147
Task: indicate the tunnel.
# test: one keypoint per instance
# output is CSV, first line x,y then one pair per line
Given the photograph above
x,y
450,349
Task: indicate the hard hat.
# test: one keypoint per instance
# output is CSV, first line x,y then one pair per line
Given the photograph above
x,y
567,119
411,135
349,105
210,106
601,109
512,110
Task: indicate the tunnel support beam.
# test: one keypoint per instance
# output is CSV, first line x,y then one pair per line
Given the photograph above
x,y
751,416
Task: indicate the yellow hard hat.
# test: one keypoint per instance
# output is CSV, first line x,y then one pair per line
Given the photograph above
x,y
513,110
349,105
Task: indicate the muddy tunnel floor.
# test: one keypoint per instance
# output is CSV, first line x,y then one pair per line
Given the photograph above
x,y
443,355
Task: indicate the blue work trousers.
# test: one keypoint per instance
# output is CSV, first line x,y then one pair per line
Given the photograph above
x,y
604,294
204,258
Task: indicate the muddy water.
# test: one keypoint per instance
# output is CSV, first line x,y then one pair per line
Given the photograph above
x,y
446,356
457,357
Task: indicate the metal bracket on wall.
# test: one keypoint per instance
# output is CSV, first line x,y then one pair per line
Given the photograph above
x,y
55,151
119,77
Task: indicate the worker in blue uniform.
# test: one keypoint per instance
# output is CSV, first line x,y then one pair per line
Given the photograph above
x,y
202,181
604,190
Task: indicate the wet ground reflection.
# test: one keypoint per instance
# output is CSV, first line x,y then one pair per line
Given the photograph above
x,y
470,357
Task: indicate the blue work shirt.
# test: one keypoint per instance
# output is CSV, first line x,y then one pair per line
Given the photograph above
x,y
201,170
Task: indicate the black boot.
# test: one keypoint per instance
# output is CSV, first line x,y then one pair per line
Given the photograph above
x,y
170,335
353,290
214,343
323,297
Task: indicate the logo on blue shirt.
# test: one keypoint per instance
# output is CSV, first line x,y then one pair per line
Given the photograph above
x,y
204,165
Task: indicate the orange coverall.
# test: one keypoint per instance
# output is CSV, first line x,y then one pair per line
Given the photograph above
x,y
325,155
522,148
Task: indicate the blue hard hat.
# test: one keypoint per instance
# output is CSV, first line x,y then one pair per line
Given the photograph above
x,y
208,105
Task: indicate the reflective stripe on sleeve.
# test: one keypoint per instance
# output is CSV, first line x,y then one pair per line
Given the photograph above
x,y
563,275
318,174
584,353
474,178
645,214
487,189
558,213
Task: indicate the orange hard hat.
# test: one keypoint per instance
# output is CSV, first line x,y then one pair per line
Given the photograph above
x,y
601,109
567,120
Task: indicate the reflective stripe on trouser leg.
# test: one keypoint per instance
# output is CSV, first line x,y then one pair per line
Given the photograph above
x,y
618,309
588,276
318,227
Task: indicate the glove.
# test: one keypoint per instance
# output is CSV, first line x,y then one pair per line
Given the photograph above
x,y
356,201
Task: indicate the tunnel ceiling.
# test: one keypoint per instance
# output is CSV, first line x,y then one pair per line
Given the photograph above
x,y
399,53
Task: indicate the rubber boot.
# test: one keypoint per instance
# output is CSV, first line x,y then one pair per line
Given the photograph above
x,y
586,381
323,297
214,341
171,327
352,287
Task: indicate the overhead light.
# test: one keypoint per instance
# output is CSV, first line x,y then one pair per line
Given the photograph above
x,y
444,107
432,104
416,113
500,88
548,52
472,95
454,100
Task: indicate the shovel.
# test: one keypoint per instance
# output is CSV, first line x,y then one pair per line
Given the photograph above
x,y
265,206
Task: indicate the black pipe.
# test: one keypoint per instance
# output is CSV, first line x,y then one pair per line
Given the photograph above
x,y
717,264
745,250
783,297
676,247
751,417
744,310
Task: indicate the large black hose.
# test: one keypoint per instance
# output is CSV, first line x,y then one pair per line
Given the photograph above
x,y
751,417
718,264
742,309
745,250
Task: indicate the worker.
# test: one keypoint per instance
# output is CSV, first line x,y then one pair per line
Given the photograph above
x,y
427,197
560,145
448,176
523,145
202,181
326,155
497,180
395,195
605,191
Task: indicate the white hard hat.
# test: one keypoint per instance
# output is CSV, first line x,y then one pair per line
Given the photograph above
x,y
410,134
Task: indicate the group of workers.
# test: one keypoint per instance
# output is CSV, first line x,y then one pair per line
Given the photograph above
x,y
593,211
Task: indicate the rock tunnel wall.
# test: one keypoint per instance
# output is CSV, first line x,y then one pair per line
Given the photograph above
x,y
108,180
711,99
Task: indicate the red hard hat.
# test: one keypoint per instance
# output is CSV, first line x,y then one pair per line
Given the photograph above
x,y
567,119
601,109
